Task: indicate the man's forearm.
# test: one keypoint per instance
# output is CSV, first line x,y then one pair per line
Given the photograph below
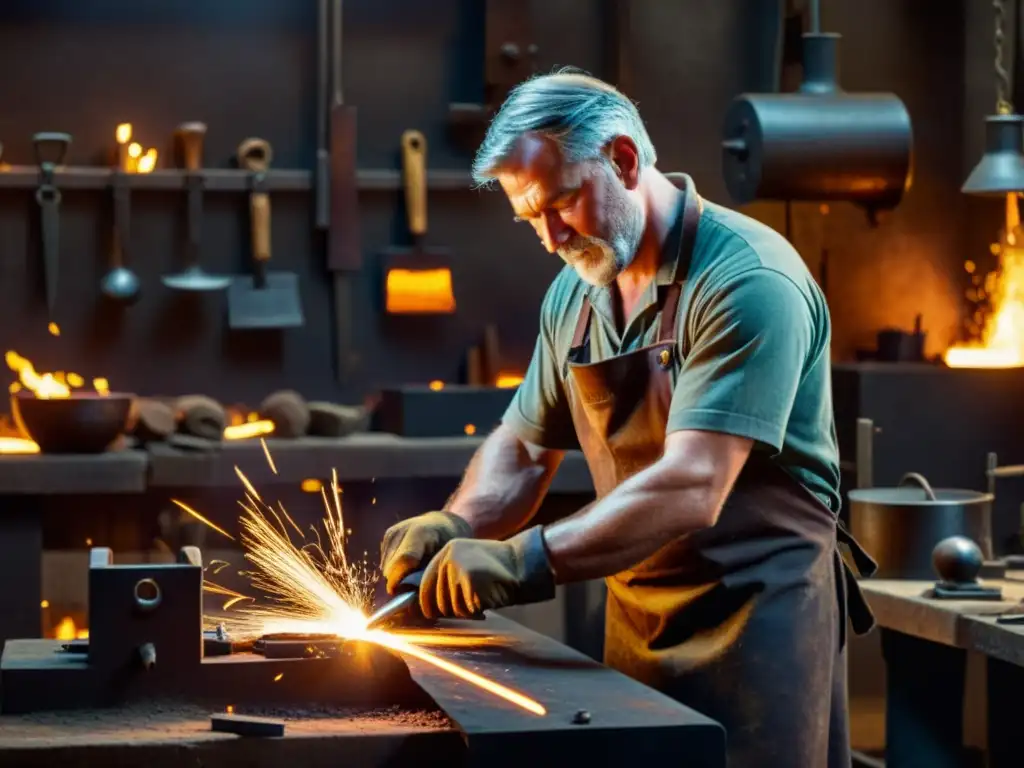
x,y
644,513
504,484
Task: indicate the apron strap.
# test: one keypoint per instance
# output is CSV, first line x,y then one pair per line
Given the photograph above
x,y
853,600
692,208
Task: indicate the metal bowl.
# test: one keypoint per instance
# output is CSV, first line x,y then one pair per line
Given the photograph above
x,y
85,422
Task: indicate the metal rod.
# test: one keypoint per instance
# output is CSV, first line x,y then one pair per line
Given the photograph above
x,y
815,17
865,453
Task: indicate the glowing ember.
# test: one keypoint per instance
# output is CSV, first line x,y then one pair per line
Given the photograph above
x,y
1002,333
508,380
245,426
313,589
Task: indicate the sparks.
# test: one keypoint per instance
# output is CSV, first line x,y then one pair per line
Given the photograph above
x,y
313,589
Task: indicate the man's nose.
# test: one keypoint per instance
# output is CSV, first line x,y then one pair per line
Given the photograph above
x,y
553,231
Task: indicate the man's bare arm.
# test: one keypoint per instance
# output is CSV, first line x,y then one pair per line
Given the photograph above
x,y
683,492
504,484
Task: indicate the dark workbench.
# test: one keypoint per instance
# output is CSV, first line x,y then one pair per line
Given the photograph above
x,y
925,643
363,457
627,722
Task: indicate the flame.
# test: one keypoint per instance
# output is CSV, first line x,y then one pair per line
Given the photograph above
x,y
123,133
147,162
1002,333
314,589
66,630
508,380
436,385
45,386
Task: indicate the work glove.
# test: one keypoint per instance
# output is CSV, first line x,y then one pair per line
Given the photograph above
x,y
408,546
469,576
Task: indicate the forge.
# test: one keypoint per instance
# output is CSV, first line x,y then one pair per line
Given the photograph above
x,y
149,678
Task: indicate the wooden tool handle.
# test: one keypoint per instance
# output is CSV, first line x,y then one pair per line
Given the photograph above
x,y
414,167
259,204
255,155
191,136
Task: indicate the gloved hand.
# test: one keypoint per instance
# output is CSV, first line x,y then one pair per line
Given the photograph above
x,y
472,575
408,545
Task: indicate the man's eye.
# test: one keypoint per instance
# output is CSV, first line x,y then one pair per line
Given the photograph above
x,y
565,201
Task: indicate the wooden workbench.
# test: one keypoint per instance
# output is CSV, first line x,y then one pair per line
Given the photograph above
x,y
925,644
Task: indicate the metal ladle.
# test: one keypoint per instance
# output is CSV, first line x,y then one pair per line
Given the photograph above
x,y
193,277
120,283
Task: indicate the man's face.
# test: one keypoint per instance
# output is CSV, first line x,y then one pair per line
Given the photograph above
x,y
581,211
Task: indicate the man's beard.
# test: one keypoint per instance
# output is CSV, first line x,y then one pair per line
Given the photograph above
x,y
599,261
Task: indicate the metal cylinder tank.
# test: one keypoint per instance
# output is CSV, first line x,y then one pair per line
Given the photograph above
x,y
820,143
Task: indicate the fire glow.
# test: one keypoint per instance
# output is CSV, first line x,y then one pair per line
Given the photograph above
x,y
314,589
1002,332
61,385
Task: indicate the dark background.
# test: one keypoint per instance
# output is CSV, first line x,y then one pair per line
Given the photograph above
x,y
247,68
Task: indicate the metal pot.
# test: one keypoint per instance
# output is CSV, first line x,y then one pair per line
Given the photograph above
x,y
899,527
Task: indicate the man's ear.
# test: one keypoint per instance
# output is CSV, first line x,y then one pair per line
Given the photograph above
x,y
625,160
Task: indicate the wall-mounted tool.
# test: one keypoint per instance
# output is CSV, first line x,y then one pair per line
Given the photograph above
x,y
819,143
120,283
263,299
50,149
1001,169
417,281
344,255
322,171
510,56
192,278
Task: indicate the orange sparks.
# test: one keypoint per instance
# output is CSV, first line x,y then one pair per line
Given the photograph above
x,y
247,484
202,519
270,459
395,643
314,589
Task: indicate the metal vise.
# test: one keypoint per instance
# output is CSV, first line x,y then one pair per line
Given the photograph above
x,y
146,616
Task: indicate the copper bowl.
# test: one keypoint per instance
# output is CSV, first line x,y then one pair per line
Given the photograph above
x,y
85,422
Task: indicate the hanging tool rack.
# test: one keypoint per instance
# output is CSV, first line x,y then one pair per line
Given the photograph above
x,y
216,179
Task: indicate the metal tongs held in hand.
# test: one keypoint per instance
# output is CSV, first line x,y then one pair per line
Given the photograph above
x,y
50,149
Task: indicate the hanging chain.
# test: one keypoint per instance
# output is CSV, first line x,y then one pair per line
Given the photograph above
x,y
1003,106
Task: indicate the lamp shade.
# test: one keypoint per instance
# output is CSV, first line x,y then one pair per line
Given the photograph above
x,y
1001,169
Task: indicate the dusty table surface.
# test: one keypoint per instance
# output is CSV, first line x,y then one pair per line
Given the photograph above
x,y
904,606
177,734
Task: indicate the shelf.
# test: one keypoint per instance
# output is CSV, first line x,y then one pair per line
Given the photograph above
x,y
219,179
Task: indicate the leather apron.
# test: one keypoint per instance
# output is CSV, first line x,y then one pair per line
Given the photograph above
x,y
744,621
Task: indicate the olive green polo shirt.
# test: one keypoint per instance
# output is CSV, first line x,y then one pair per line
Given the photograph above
x,y
753,336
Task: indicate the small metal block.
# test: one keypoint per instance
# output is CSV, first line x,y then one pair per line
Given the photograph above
x,y
244,725
582,717
100,557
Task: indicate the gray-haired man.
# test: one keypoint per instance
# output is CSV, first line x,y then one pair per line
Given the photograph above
x,y
685,350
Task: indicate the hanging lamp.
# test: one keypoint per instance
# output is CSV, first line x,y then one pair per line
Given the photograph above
x,y
1001,169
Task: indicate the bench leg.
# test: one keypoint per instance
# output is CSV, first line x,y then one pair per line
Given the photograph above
x,y
21,568
1005,688
924,699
